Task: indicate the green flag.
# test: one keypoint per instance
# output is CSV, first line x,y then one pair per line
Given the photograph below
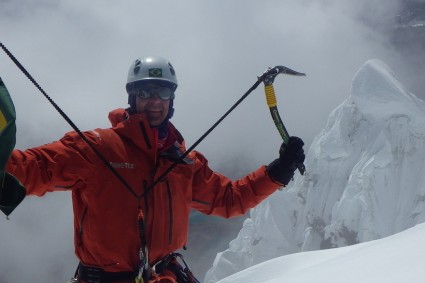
x,y
7,125
11,190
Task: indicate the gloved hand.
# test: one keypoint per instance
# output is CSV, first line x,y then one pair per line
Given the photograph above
x,y
290,156
11,193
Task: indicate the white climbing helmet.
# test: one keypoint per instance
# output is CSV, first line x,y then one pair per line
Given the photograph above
x,y
151,69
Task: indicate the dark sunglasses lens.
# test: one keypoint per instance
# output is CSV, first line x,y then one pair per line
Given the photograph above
x,y
143,94
164,93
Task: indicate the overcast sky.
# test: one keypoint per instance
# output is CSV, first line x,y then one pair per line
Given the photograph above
x,y
80,54
80,51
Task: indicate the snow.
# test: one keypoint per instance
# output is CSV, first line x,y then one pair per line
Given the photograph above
x,y
364,182
395,259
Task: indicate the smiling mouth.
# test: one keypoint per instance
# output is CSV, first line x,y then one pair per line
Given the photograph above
x,y
155,112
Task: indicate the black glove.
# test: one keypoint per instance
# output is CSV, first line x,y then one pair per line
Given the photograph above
x,y
291,156
11,193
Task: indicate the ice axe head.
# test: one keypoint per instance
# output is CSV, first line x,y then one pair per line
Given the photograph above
x,y
271,73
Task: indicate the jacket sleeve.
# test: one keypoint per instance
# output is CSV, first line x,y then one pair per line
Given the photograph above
x,y
61,165
216,194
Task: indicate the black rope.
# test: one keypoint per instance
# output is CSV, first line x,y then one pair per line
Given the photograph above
x,y
116,174
67,119
172,166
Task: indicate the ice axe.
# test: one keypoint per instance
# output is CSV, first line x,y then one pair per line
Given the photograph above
x,y
268,78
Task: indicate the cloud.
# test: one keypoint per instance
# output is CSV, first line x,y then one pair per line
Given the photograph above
x,y
80,52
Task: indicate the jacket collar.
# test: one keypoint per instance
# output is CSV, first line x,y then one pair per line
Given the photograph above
x,y
136,128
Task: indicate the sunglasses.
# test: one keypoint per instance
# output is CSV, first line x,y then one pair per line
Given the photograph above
x,y
148,91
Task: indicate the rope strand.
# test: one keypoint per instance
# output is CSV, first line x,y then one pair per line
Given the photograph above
x,y
69,121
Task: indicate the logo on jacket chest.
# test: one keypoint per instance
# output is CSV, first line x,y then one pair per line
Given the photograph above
x,y
122,165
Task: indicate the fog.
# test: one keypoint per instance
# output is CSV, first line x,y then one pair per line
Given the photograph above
x,y
79,52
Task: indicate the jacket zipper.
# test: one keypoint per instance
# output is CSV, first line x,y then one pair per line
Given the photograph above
x,y
156,166
145,135
170,212
80,232
145,199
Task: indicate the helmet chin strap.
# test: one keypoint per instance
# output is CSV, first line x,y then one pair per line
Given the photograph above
x,y
132,103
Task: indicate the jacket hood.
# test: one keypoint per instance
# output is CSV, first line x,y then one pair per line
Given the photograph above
x,y
117,116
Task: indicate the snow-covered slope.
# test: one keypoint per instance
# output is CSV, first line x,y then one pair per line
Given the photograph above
x,y
364,179
395,259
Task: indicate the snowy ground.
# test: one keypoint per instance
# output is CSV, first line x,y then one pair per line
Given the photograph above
x,y
395,259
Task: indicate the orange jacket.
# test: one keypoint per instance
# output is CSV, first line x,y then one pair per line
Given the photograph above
x,y
106,213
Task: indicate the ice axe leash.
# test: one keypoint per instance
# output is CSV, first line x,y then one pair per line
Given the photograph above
x,y
271,100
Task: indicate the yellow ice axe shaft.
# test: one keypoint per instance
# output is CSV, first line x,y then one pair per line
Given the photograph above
x,y
268,79
272,103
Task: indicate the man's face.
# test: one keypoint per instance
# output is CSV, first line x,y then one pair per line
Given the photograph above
x,y
155,108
